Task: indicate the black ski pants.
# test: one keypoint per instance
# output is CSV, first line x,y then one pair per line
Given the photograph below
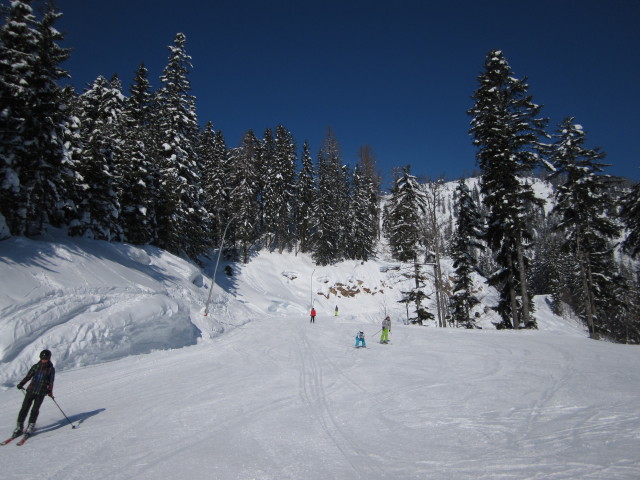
x,y
29,399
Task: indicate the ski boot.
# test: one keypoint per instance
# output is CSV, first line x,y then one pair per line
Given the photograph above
x,y
31,428
19,430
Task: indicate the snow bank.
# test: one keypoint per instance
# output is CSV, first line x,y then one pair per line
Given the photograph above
x,y
91,302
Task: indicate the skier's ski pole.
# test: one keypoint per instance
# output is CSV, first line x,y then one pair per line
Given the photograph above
x,y
65,416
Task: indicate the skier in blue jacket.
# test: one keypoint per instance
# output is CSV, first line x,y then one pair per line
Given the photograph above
x,y
360,339
42,375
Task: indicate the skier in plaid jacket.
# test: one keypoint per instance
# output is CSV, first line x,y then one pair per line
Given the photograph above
x,y
42,375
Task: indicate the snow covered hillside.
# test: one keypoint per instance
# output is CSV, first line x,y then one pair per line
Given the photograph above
x,y
254,391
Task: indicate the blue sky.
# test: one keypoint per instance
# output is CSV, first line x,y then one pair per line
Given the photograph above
x,y
397,76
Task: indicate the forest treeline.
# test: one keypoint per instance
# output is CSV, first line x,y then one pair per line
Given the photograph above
x,y
138,167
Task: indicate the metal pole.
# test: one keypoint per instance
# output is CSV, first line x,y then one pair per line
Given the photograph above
x,y
215,269
312,287
65,415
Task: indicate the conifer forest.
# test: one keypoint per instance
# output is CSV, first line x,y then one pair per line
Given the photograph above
x,y
137,165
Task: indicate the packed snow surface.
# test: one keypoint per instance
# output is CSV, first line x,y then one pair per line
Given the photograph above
x,y
254,391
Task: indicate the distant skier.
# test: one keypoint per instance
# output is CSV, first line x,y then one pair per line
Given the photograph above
x,y
336,310
360,339
313,315
41,375
386,328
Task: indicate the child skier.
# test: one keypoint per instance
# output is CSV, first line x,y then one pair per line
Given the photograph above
x,y
360,340
386,328
313,315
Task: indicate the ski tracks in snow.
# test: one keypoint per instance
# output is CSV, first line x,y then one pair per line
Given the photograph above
x,y
313,392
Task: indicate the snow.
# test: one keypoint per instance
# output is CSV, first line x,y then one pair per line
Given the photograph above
x,y
254,391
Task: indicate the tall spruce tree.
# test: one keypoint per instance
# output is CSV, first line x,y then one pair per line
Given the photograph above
x,y
139,178
98,206
51,171
403,216
19,42
367,162
467,239
403,228
332,203
364,214
506,130
278,166
33,169
583,204
212,151
245,194
265,167
74,144
631,218
283,188
305,198
181,204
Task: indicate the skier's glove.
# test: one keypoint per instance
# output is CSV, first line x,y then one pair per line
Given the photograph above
x,y
20,386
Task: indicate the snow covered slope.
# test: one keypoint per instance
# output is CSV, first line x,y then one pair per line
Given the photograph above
x,y
254,391
91,301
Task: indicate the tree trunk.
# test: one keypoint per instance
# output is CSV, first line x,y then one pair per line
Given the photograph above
x,y
417,277
512,294
439,302
526,318
586,290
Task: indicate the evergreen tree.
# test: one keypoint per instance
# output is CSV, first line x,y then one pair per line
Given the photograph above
x,y
364,216
19,42
305,199
181,204
98,207
265,168
370,172
402,217
139,178
631,217
278,157
332,203
32,171
506,131
212,151
283,188
245,194
582,204
402,226
73,148
469,231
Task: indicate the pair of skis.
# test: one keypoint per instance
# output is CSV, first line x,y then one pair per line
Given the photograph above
x,y
24,438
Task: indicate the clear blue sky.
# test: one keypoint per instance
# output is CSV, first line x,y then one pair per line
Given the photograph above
x,y
395,75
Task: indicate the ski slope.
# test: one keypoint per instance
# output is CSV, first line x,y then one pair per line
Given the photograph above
x,y
260,393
